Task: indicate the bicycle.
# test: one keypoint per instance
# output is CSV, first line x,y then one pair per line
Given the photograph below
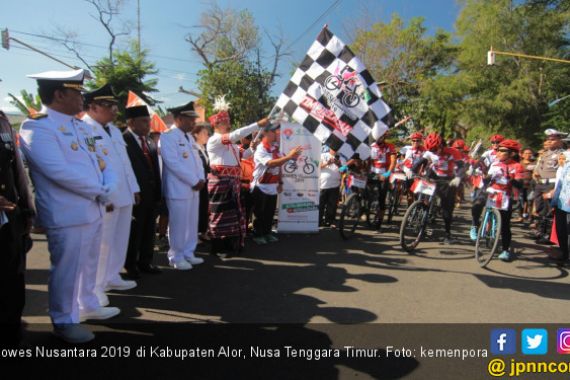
x,y
414,224
361,201
395,194
308,166
490,230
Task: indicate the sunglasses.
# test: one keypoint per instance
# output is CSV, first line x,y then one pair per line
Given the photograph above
x,y
416,140
503,150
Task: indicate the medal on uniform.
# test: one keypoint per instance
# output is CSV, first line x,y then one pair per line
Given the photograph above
x,y
74,146
90,141
185,154
102,163
105,151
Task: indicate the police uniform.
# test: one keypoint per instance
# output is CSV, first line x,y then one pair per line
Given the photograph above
x,y
14,237
72,184
545,170
182,169
116,223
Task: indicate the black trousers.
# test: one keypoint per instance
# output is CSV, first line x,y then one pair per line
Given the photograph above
x,y
447,196
328,200
141,239
203,210
12,284
542,206
247,202
562,231
263,209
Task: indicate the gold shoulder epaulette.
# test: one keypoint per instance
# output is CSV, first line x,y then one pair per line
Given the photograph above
x,y
37,116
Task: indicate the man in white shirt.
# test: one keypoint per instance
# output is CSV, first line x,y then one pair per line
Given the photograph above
x,y
267,183
329,182
72,184
101,110
182,178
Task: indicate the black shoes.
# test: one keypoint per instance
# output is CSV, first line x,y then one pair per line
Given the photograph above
x,y
150,269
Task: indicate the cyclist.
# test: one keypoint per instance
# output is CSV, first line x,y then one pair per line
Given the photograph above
x,y
445,165
382,163
463,150
489,156
413,155
504,174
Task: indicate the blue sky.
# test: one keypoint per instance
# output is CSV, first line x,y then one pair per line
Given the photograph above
x,y
165,23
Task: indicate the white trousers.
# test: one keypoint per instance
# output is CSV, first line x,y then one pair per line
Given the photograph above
x,y
114,244
74,253
182,227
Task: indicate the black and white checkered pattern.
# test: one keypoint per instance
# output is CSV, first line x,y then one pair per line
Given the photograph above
x,y
338,115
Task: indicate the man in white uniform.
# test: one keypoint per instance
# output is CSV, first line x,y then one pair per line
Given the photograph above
x,y
182,179
73,184
101,110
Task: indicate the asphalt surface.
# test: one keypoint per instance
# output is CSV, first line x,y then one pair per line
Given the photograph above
x,y
321,278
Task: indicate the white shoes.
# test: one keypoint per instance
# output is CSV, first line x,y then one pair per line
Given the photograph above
x,y
194,260
181,265
102,297
120,285
100,313
73,333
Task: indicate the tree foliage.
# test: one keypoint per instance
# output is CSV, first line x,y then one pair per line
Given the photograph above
x,y
130,72
230,47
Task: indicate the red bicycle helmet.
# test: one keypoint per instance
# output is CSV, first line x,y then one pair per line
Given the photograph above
x,y
458,144
510,144
433,141
416,136
497,138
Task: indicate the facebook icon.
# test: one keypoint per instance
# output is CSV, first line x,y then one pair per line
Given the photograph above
x,y
503,342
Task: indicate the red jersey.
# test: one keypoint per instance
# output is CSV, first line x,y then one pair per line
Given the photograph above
x,y
446,163
502,174
382,156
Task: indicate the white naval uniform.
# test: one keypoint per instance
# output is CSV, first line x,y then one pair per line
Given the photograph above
x,y
71,188
116,224
222,149
181,170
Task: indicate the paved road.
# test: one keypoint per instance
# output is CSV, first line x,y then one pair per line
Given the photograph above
x,y
321,278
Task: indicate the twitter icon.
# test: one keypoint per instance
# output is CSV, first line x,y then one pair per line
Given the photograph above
x,y
534,341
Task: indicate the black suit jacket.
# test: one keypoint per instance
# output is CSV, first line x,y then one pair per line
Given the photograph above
x,y
149,180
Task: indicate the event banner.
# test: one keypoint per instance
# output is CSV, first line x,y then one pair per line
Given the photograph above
x,y
299,201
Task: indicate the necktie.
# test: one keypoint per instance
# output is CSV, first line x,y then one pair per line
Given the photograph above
x,y
146,152
186,136
107,129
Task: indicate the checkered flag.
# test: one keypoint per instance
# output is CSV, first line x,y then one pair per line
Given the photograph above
x,y
334,96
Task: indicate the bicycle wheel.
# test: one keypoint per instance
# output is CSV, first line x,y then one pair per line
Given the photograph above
x,y
413,225
350,216
372,200
488,237
394,202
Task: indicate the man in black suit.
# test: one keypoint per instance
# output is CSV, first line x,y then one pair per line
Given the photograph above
x,y
144,159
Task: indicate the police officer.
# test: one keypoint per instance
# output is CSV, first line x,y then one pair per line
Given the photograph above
x,y
16,212
544,175
101,110
182,179
72,185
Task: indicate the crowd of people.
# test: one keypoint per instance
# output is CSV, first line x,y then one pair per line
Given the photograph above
x,y
98,192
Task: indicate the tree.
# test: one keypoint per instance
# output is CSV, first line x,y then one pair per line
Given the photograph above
x,y
229,46
29,103
512,97
402,58
129,72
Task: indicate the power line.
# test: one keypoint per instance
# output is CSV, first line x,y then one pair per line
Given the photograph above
x,y
63,40
323,15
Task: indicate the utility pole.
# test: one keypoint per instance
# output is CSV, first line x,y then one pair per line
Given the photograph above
x,y
139,24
